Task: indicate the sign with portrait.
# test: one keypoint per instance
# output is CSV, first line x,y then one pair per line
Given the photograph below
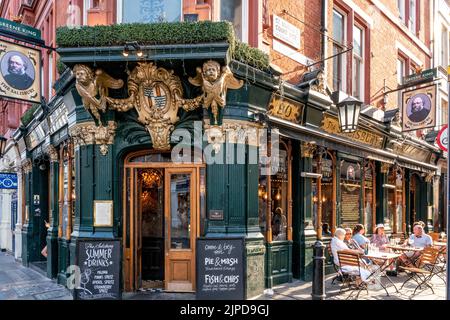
x,y
20,70
419,108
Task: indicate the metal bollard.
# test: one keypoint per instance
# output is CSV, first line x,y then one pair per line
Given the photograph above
x,y
318,285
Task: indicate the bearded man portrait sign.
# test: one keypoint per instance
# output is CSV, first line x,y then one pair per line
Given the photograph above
x,y
19,72
419,108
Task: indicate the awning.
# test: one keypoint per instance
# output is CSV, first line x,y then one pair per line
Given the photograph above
x,y
339,143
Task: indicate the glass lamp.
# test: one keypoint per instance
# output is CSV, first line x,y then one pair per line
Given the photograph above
x,y
348,112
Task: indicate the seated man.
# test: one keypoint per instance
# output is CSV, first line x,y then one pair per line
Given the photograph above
x,y
338,244
419,239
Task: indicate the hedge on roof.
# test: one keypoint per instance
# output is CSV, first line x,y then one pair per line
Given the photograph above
x,y
162,33
28,115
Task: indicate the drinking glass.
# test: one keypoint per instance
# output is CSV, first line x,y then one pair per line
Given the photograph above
x,y
410,241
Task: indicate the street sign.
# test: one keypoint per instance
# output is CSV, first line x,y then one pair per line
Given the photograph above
x,y
424,76
442,138
20,30
8,181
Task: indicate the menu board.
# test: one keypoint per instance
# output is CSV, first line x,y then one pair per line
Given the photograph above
x,y
220,269
350,207
99,263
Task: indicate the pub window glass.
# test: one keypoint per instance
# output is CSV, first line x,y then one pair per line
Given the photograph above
x,y
391,205
65,207
368,197
399,195
202,201
279,195
262,202
350,193
315,190
327,194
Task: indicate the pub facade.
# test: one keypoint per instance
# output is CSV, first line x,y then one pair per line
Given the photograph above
x,y
98,162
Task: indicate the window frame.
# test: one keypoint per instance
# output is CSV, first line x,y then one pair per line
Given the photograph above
x,y
320,153
287,145
362,63
120,7
342,61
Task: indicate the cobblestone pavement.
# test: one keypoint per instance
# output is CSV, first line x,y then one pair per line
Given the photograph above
x,y
299,290
20,283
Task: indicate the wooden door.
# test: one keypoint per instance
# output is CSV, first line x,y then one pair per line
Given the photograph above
x,y
138,232
180,229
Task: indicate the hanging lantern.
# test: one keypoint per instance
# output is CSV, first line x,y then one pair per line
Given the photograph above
x,y
348,112
2,146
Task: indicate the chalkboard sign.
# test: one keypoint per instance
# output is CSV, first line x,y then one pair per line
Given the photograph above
x,y
99,263
220,269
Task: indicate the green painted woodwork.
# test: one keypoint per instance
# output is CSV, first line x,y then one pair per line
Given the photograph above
x,y
279,263
52,233
63,258
297,215
25,228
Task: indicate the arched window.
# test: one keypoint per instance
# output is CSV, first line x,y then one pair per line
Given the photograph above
x,y
396,201
275,196
324,192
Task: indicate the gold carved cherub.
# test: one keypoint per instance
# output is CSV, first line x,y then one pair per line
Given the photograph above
x,y
94,89
215,82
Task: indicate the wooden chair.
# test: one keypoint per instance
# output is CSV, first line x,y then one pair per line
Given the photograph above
x,y
336,268
434,235
441,264
425,271
353,279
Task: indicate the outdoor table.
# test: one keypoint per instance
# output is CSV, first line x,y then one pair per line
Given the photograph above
x,y
387,259
403,249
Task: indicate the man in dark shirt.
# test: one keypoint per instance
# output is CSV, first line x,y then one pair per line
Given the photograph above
x,y
418,112
17,77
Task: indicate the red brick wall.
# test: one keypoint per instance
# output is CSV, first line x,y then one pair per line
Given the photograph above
x,y
383,51
308,11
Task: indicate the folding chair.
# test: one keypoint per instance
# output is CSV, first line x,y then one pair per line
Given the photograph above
x,y
350,278
336,268
434,235
426,270
441,264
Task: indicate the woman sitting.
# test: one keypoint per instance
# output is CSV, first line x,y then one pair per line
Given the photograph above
x,y
358,235
379,238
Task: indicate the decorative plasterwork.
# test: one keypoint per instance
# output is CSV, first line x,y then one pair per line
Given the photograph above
x,y
233,131
385,167
308,150
90,85
215,82
88,133
27,166
319,86
53,153
156,94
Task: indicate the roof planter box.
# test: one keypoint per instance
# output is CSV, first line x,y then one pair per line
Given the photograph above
x,y
158,41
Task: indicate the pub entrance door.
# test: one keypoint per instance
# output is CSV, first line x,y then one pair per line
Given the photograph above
x,y
160,226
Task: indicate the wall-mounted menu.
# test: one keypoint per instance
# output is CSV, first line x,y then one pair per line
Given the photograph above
x,y
99,263
220,269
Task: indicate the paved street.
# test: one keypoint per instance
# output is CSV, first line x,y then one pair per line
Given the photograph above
x,y
20,283
299,290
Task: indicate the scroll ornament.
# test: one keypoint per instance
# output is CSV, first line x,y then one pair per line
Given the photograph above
x,y
89,133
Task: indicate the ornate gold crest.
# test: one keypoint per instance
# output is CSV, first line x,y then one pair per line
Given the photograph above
x,y
156,93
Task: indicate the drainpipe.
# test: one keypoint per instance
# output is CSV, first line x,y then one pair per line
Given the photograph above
x,y
324,37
